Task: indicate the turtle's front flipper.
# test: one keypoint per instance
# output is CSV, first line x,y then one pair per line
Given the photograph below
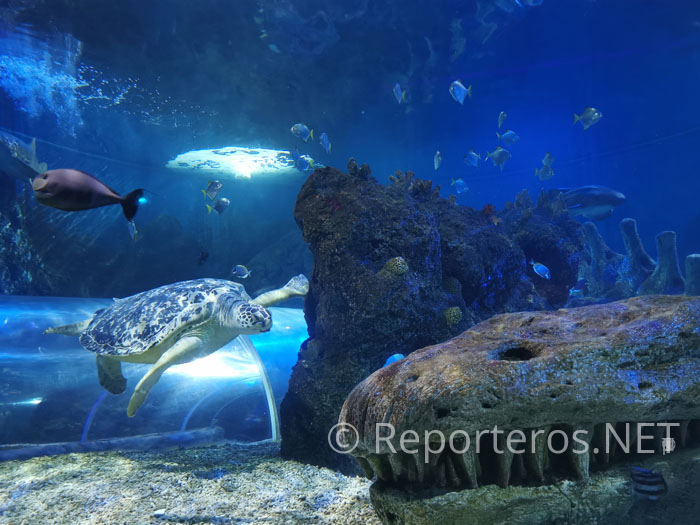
x,y
297,286
69,329
109,372
186,349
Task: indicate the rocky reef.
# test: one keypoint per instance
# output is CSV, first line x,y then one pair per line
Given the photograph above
x,y
556,380
610,276
397,268
22,271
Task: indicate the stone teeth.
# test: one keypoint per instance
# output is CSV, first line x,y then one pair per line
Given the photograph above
x,y
398,466
451,471
440,476
605,450
535,462
683,434
468,466
365,466
419,463
380,465
578,458
504,461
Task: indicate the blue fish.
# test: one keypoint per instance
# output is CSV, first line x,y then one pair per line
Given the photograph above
x,y
541,270
508,138
219,206
212,189
393,358
241,271
399,93
472,158
302,131
459,92
325,142
460,186
648,484
302,162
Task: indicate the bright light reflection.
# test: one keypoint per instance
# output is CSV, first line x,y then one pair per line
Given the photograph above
x,y
218,365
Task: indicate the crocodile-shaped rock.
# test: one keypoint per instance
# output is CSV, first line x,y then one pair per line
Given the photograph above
x,y
592,369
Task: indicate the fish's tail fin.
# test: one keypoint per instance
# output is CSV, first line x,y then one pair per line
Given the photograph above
x,y
130,203
209,208
453,182
311,134
469,91
576,118
498,135
403,96
204,193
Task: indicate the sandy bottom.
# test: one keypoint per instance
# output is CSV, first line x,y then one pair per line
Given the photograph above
x,y
218,484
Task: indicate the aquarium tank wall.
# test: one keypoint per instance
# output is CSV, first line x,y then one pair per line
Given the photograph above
x,y
349,261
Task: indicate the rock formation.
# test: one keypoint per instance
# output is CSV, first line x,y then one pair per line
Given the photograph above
x,y
549,376
397,268
610,276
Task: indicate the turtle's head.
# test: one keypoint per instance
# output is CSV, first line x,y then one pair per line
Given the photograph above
x,y
246,318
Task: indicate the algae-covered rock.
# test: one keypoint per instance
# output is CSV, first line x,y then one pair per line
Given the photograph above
x,y
552,376
397,268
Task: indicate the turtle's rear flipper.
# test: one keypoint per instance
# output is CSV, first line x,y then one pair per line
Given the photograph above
x,y
109,372
69,329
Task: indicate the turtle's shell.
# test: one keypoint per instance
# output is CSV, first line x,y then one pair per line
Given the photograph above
x,y
135,324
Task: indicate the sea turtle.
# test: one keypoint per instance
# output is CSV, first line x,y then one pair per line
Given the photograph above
x,y
170,325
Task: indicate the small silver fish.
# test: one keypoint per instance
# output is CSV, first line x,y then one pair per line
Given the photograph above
x,y
589,117
241,271
459,92
508,138
220,206
460,186
399,93
541,270
325,142
212,189
501,118
302,131
545,172
499,156
437,160
133,232
472,158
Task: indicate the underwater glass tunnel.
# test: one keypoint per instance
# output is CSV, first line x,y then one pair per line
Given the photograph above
x,y
52,403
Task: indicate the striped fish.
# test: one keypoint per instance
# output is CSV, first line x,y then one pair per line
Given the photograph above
x,y
648,484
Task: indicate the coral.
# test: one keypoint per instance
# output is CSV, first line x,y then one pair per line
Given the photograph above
x,y
548,235
401,180
601,272
692,274
453,315
611,276
423,189
560,372
667,278
395,266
